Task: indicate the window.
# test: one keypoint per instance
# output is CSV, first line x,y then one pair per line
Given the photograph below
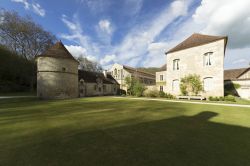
x,y
208,84
63,69
115,71
175,85
207,59
81,82
81,90
100,89
176,64
104,88
95,87
161,88
161,77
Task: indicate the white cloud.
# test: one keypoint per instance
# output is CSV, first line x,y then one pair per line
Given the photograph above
x,y
105,26
78,51
36,7
225,17
107,59
134,46
76,35
24,2
96,6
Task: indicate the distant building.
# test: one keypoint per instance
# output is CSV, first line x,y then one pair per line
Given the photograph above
x,y
120,72
199,54
58,77
241,77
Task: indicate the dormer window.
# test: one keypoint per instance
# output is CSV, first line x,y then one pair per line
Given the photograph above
x,y
207,59
176,64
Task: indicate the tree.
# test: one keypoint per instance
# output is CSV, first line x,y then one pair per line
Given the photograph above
x,y
85,64
22,36
191,84
134,87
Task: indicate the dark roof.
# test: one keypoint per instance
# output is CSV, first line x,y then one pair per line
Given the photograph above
x,y
58,51
196,39
91,77
134,70
234,74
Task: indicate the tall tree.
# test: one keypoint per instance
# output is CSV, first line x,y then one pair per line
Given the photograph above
x,y
23,36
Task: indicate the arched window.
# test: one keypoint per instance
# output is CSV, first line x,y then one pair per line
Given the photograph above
x,y
175,85
115,71
207,59
208,84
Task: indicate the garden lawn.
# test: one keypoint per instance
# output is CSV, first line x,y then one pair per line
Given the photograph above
x,y
110,131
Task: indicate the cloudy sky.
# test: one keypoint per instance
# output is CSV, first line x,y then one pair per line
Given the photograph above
x,y
138,32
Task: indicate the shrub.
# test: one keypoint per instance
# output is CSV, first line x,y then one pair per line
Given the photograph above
x,y
138,89
151,93
169,96
230,98
161,94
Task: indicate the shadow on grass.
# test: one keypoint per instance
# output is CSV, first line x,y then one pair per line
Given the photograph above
x,y
183,140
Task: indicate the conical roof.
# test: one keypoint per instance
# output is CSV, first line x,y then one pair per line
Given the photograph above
x,y
58,51
196,39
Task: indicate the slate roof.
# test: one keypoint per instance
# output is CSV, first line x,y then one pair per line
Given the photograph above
x,y
196,39
58,51
234,74
133,70
91,77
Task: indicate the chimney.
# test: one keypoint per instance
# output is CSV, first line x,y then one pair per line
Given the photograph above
x,y
105,72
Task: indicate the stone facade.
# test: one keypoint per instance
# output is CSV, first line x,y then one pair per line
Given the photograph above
x,y
161,81
120,72
193,60
57,78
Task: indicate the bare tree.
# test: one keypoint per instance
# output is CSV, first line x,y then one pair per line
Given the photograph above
x,y
88,65
22,36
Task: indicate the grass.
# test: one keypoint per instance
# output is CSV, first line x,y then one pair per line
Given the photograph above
x,y
119,131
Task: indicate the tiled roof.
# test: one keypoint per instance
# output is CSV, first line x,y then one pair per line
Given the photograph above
x,y
233,74
196,40
91,77
58,51
133,70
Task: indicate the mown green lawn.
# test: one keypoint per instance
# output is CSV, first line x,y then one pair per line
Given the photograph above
x,y
118,131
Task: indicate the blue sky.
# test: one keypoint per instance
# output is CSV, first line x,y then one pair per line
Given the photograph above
x,y
138,32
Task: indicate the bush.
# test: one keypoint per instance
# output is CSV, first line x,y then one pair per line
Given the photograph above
x,y
169,96
152,93
161,94
230,98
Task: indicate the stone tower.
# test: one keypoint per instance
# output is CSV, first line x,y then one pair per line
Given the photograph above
x,y
57,74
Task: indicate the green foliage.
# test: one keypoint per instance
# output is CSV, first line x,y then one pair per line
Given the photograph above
x,y
138,89
16,73
230,98
191,84
221,98
161,94
169,96
134,87
151,93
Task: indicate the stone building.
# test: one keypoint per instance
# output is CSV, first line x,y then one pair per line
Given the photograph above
x,y
96,84
240,77
58,77
120,72
198,54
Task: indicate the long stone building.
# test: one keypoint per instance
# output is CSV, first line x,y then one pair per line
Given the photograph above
x,y
58,77
120,72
